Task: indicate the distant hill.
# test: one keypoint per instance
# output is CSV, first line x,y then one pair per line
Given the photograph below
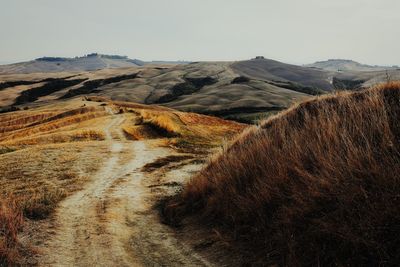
x,y
313,78
161,62
271,70
346,65
90,62
58,64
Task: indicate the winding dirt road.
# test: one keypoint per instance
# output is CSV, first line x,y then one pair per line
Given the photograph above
x,y
111,221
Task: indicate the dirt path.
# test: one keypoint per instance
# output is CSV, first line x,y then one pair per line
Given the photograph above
x,y
111,221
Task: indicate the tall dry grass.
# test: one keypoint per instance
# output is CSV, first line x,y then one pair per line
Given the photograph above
x,y
11,222
164,121
317,185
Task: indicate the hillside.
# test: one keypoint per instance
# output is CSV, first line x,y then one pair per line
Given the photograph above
x,y
346,65
316,185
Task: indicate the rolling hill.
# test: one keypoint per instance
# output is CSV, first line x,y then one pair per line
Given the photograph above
x,y
205,87
246,91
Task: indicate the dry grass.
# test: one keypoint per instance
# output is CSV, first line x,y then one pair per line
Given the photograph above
x,y
38,171
165,121
11,222
42,162
12,123
186,131
317,185
41,176
54,125
50,126
62,137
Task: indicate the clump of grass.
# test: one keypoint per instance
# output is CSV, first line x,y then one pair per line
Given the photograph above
x,y
11,222
317,185
41,204
163,122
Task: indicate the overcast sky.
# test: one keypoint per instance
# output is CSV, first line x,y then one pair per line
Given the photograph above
x,y
295,31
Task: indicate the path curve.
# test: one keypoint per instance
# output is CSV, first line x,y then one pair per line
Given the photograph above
x,y
111,221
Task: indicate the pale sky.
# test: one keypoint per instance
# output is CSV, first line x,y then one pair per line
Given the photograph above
x,y
295,31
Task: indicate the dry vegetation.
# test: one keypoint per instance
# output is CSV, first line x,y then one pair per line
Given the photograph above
x,y
186,131
36,173
317,185
39,177
49,152
28,124
11,222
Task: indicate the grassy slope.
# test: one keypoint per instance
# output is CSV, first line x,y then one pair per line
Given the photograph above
x,y
315,185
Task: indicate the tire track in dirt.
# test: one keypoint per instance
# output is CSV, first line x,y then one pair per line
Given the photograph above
x,y
111,221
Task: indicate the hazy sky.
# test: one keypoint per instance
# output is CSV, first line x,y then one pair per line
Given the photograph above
x,y
296,31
